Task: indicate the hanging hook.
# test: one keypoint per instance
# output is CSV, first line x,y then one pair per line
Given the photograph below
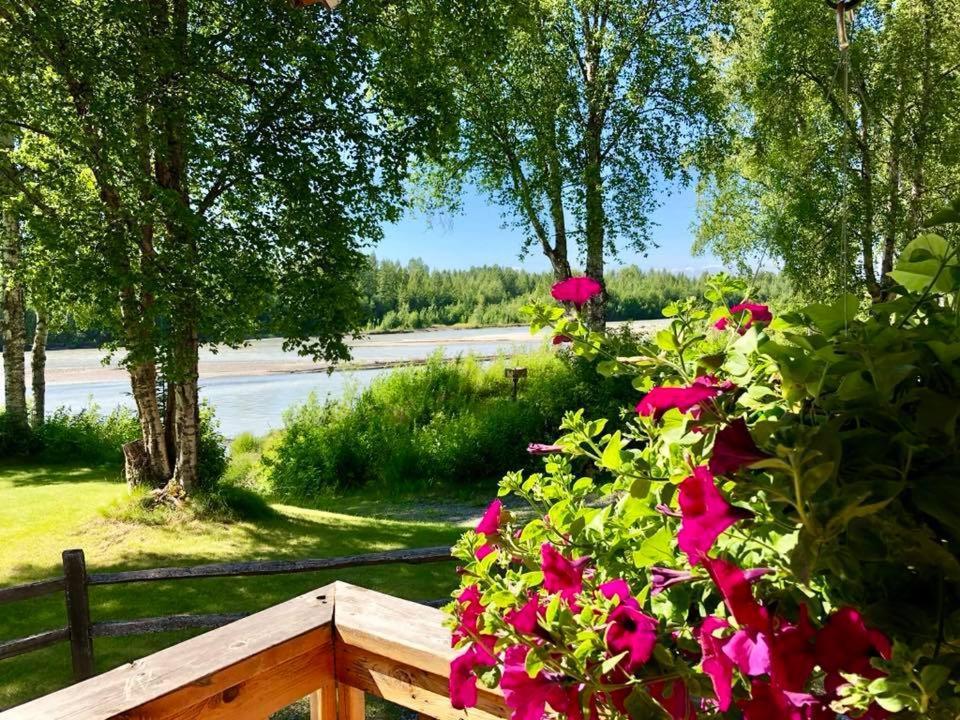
x,y
842,7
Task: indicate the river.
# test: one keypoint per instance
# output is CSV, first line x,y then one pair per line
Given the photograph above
x,y
250,387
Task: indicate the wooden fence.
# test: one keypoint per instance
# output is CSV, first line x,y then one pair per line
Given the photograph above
x,y
80,630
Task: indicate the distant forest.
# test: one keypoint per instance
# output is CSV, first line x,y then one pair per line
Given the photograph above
x,y
412,296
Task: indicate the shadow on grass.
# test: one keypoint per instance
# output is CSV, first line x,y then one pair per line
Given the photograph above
x,y
22,475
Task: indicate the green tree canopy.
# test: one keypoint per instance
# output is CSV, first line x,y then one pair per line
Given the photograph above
x,y
198,159
829,172
568,113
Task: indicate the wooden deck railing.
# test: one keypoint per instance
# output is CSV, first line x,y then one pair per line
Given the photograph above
x,y
80,630
334,645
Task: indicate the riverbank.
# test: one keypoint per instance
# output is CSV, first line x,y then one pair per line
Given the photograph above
x,y
264,357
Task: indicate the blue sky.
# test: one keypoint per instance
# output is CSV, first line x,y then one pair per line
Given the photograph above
x,y
475,236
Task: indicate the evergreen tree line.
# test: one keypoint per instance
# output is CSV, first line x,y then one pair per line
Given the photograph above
x,y
412,296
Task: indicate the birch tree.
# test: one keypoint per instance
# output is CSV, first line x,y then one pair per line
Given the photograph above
x,y
570,113
832,172
198,159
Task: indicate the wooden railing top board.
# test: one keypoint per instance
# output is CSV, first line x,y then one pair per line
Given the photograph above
x,y
197,670
379,623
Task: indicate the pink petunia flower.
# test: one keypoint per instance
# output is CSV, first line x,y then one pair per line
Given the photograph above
x,y
632,632
576,290
469,610
846,645
706,514
674,698
734,586
685,399
526,696
733,448
792,655
561,575
524,619
543,449
662,578
750,651
618,588
490,522
756,314
463,671
768,702
716,664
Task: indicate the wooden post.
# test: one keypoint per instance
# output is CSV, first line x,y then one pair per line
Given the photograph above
x,y
78,614
351,703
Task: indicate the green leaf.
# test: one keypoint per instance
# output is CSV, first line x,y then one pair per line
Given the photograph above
x,y
665,340
658,548
831,318
533,663
610,663
932,677
612,458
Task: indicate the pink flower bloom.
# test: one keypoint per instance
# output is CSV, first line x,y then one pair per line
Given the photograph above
x,y
484,550
694,397
734,586
733,448
792,656
715,662
674,698
662,578
542,449
759,314
706,514
632,632
768,702
463,672
750,652
561,339
576,290
463,680
490,523
561,575
528,697
524,618
469,611
846,644
618,588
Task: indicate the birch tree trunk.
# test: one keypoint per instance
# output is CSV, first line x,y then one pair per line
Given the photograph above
x,y
187,412
147,461
38,368
14,329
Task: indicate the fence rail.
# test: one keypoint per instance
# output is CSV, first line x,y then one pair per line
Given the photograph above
x,y
81,630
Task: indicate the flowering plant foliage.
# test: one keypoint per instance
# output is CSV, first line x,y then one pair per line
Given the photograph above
x,y
772,533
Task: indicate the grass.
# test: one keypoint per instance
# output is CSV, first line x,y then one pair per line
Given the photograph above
x,y
46,509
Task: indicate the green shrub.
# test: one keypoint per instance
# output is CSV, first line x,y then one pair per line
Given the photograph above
x,y
246,443
86,436
15,439
212,459
444,424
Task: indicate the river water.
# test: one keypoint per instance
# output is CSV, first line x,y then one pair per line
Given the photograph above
x,y
250,387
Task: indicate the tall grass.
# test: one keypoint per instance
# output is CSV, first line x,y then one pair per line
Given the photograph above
x,y
442,425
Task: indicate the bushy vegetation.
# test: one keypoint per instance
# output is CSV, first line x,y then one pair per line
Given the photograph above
x,y
450,424
85,437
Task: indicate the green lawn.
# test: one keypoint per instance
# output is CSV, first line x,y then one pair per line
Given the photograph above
x,y
44,510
